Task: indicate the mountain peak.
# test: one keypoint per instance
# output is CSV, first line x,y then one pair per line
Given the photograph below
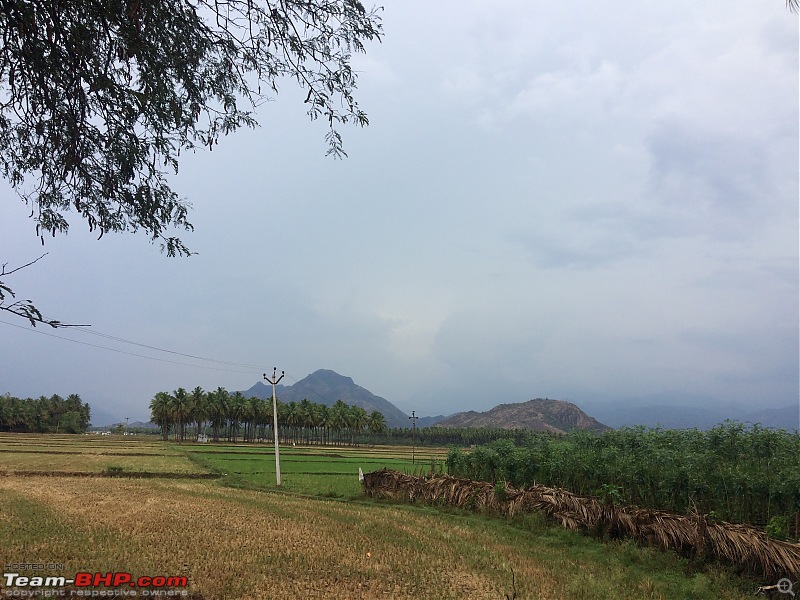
x,y
331,376
540,414
324,386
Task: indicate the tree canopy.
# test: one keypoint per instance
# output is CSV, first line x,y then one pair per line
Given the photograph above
x,y
101,97
98,98
44,415
237,417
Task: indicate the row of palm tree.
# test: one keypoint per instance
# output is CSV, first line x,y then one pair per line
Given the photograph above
x,y
231,416
441,436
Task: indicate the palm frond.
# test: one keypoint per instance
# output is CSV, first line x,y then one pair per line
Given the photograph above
x,y
742,545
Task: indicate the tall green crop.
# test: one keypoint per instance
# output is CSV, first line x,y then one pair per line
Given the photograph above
x,y
735,472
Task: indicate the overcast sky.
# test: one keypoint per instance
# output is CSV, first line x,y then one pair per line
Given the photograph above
x,y
586,200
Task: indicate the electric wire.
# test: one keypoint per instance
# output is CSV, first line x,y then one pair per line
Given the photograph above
x,y
165,360
119,339
289,379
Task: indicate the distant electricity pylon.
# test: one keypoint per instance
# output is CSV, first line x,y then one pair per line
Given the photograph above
x,y
274,381
413,418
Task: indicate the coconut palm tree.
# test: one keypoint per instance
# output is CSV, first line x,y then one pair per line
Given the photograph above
x,y
161,413
376,422
217,410
247,417
18,415
315,421
236,410
338,419
293,419
199,409
180,404
257,410
323,416
356,421
283,410
74,404
5,411
268,416
305,408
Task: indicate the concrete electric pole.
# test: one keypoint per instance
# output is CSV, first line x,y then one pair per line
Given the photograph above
x,y
274,381
413,418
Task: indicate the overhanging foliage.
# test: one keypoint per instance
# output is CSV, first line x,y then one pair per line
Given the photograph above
x,y
98,98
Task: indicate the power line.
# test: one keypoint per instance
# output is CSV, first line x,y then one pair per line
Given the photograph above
x,y
118,339
174,362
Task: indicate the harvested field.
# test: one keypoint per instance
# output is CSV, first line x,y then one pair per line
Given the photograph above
x,y
91,455
255,543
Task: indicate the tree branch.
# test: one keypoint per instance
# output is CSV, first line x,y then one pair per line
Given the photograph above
x,y
4,272
26,308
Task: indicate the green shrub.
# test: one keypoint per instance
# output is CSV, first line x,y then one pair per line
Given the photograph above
x,y
778,528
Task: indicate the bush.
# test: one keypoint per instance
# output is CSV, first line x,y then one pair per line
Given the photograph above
x,y
778,528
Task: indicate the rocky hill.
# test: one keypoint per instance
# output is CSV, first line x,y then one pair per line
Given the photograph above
x,y
326,387
557,416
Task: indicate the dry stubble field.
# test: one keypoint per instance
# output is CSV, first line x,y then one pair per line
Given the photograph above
x,y
239,543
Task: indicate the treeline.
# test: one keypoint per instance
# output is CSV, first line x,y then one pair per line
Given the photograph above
x,y
44,415
448,436
733,472
233,417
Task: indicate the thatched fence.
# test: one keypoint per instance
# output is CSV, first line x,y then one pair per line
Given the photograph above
x,y
744,546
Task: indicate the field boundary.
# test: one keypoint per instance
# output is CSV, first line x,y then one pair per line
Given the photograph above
x,y
112,474
16,451
744,546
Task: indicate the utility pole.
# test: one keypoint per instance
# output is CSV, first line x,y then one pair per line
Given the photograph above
x,y
274,381
413,418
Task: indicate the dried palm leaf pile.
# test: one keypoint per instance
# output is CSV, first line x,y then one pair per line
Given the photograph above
x,y
744,546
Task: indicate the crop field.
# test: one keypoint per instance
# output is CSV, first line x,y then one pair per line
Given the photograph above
x,y
235,536
331,472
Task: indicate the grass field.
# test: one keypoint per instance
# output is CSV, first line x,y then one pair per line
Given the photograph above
x,y
250,542
330,472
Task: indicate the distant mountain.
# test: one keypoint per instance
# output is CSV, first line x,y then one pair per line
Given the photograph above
x,y
326,387
429,421
102,418
540,414
661,415
675,412
263,391
141,425
787,418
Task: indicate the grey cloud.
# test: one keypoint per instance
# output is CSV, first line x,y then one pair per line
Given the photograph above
x,y
575,249
701,170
